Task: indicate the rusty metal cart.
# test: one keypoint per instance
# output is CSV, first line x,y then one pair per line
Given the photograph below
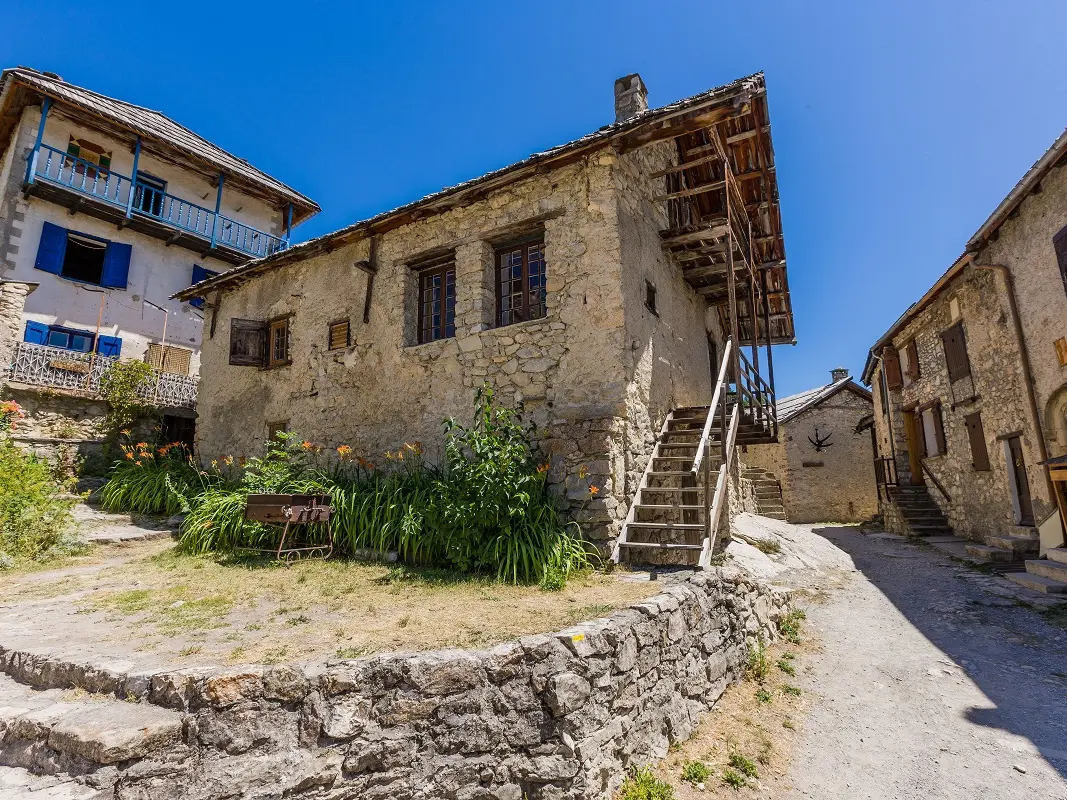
x,y
291,510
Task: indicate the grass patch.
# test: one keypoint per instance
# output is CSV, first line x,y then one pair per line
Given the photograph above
x,y
763,696
695,772
789,627
745,766
641,784
177,609
768,546
733,779
791,690
758,666
786,667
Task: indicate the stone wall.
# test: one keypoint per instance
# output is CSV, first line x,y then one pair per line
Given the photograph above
x,y
981,503
548,717
834,485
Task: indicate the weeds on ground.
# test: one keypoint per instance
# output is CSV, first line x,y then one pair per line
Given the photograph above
x,y
790,626
786,667
763,696
641,784
791,690
744,765
695,772
768,546
758,667
734,780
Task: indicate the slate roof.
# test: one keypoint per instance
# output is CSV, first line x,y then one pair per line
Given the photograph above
x,y
794,405
156,125
751,83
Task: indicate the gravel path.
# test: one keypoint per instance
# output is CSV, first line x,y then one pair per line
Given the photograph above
x,y
929,685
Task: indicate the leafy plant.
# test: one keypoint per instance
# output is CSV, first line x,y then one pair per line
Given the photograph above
x,y
152,480
641,784
791,690
695,772
786,667
35,522
768,546
758,666
789,627
745,766
733,779
763,696
119,385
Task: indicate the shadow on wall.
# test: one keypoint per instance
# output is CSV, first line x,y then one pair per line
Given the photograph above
x,y
993,655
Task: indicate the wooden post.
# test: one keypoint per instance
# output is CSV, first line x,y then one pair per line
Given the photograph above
x,y
731,289
31,167
767,324
133,178
218,208
96,341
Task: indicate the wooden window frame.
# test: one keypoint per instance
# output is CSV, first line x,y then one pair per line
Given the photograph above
x,y
957,360
347,337
913,372
442,267
283,323
938,420
976,437
276,427
520,312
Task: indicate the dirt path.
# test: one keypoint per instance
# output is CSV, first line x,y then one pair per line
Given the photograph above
x,y
928,686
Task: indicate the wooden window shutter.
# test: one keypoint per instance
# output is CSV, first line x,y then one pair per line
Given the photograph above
x,y
116,273
1059,241
891,362
959,365
913,360
338,336
248,342
939,429
976,435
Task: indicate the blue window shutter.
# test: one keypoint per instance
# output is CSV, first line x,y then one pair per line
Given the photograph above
x,y
200,274
109,346
52,249
36,332
116,265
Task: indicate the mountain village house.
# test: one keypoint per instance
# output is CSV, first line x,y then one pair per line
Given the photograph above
x,y
106,210
820,469
596,285
970,389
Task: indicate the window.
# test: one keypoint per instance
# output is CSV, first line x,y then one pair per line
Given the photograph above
x,y
976,436
437,297
200,274
959,365
911,361
1059,242
80,257
274,428
248,343
932,432
339,335
650,297
179,429
148,194
80,341
278,334
88,158
168,358
520,270
891,363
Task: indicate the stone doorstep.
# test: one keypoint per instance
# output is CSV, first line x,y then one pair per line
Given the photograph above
x,y
1057,554
20,784
1047,569
1037,583
99,731
1016,544
987,554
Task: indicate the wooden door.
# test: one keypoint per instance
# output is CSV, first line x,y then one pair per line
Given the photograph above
x,y
1017,468
912,432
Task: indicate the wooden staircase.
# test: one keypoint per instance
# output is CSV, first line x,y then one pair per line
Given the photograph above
x,y
678,503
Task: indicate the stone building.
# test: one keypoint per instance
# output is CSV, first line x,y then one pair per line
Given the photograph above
x,y
821,469
106,210
970,388
595,285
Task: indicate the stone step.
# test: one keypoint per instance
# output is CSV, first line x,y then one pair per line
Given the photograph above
x,y
1047,569
1038,583
1057,554
1016,544
20,784
989,555
55,731
773,514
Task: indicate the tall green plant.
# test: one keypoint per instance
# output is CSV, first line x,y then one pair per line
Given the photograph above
x,y
119,385
152,480
35,522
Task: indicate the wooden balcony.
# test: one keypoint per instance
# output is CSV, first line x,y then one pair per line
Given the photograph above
x,y
84,187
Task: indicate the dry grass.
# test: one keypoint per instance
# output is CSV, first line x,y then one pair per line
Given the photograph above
x,y
194,610
754,726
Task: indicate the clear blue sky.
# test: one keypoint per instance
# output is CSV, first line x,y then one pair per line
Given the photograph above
x,y
898,126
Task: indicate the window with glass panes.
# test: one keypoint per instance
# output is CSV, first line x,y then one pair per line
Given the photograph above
x,y
520,282
437,298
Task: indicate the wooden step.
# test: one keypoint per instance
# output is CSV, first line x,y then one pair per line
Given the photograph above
x,y
673,474
661,507
667,526
662,545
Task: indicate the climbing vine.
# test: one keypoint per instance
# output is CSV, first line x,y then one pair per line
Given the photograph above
x,y
119,385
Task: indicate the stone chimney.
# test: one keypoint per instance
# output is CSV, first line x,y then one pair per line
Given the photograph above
x,y
631,97
839,374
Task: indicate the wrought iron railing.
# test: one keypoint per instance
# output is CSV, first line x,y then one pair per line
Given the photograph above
x,y
54,367
84,177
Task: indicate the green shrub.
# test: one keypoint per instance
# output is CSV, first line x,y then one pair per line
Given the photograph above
x,y
641,784
151,480
790,626
733,779
744,765
120,385
695,772
35,523
763,696
758,667
786,667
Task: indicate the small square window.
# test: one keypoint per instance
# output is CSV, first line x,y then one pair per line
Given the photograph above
x,y
339,335
274,428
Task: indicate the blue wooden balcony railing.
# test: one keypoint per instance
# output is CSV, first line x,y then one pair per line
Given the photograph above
x,y
84,177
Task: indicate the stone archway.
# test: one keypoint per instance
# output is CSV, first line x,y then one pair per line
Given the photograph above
x,y
1056,422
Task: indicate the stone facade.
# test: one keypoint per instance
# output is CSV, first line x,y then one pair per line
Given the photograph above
x,y
981,500
836,484
596,375
548,717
